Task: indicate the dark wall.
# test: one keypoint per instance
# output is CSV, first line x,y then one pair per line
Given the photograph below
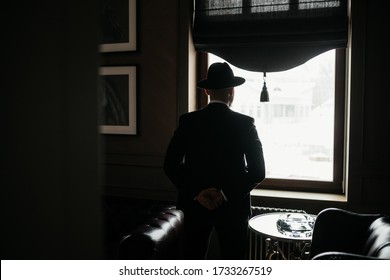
x,y
50,186
376,114
133,163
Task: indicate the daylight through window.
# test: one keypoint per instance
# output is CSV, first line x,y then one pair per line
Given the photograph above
x,y
297,126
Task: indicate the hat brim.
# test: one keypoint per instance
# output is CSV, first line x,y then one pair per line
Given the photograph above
x,y
206,84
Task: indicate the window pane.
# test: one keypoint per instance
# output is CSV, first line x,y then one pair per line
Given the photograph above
x,y
297,126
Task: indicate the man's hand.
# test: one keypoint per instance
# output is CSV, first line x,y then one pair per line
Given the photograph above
x,y
210,198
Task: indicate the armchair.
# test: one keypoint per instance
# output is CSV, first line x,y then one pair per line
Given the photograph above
x,y
340,234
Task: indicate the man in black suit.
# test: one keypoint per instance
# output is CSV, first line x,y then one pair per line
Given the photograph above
x,y
215,159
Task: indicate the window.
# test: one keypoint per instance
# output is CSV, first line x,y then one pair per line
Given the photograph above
x,y
302,126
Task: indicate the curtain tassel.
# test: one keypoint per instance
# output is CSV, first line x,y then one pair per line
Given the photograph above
x,y
264,96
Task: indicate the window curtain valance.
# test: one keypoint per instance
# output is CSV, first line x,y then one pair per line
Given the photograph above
x,y
269,35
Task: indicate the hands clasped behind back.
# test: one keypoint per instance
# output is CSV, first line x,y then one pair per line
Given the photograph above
x,y
210,198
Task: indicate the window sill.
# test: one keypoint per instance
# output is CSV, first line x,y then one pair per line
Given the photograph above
x,y
299,195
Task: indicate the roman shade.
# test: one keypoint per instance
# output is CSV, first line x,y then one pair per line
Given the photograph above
x,y
269,35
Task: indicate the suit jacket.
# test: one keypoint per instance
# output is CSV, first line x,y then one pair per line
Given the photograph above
x,y
215,147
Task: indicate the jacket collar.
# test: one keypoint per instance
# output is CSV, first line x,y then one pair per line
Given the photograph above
x,y
217,102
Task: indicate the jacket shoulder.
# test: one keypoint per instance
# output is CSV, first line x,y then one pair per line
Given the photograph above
x,y
203,113
242,117
188,116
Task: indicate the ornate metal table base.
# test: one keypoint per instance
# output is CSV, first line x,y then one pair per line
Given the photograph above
x,y
295,251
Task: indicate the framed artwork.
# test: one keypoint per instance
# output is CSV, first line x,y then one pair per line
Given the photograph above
x,y
117,100
118,25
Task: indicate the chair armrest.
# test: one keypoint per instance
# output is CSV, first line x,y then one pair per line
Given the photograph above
x,y
341,256
341,231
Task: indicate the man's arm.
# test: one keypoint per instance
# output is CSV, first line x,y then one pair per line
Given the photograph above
x,y
255,169
174,158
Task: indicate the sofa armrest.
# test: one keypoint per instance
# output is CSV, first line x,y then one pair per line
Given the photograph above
x,y
156,238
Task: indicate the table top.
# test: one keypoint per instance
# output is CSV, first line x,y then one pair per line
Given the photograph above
x,y
265,224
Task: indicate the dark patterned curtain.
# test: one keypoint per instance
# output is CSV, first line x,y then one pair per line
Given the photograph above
x,y
269,35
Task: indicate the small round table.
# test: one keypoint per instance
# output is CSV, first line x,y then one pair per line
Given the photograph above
x,y
277,245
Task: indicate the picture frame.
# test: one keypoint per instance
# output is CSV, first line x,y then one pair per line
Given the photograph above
x,y
118,22
118,100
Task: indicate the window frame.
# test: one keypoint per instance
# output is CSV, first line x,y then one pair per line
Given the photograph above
x,y
337,185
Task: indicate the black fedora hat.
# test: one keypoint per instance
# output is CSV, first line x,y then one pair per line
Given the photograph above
x,y
220,76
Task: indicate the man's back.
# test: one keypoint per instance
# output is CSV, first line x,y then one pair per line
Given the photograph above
x,y
217,142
